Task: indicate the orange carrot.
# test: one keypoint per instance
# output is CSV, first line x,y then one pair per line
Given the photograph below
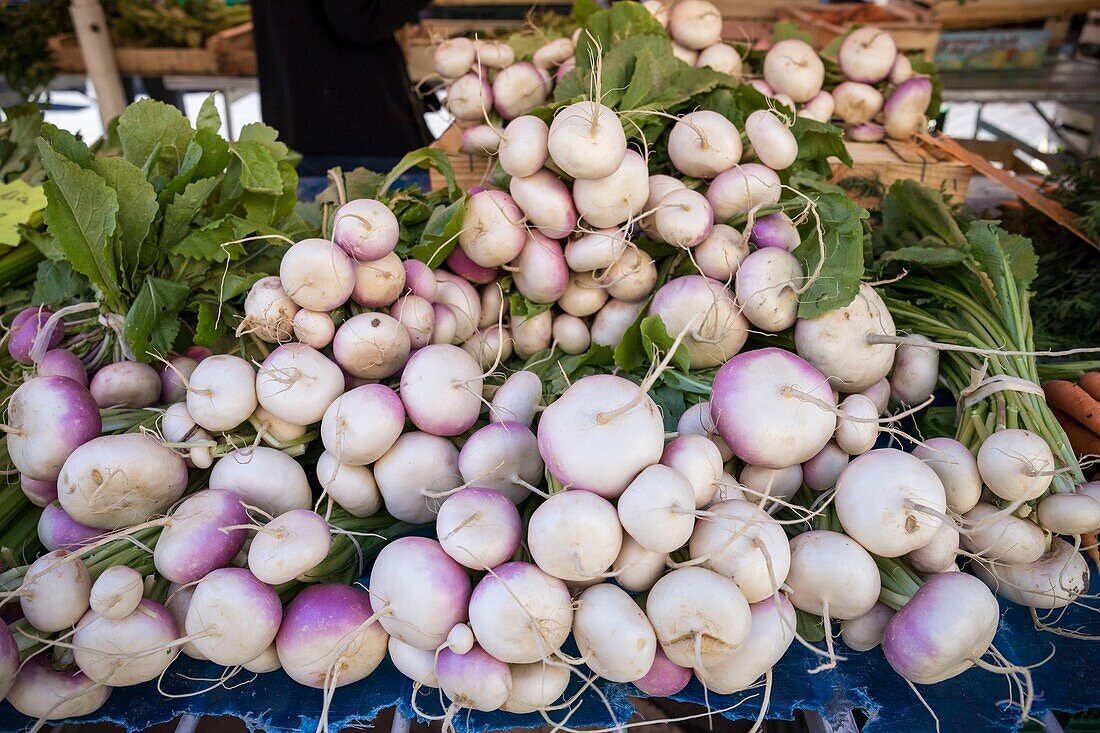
x,y
1081,440
1075,402
1088,542
1091,384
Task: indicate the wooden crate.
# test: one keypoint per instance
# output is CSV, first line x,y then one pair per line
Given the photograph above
x,y
912,26
952,14
470,170
894,161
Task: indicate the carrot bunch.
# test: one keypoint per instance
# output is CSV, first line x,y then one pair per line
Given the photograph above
x,y
1077,407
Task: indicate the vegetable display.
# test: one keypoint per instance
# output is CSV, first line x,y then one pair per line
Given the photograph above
x,y
641,406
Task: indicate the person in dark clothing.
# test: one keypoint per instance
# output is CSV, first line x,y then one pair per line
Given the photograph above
x,y
333,79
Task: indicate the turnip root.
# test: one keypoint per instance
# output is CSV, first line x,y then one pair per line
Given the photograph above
x,y
915,373
864,633
865,132
554,53
297,383
483,140
479,528
58,531
571,334
721,57
819,107
1054,580
40,493
773,626
657,509
463,300
687,55
441,389
517,90
221,392
703,144
574,535
613,634
517,399
615,198
583,295
55,591
901,71
664,678
453,57
519,614
42,692
632,277
742,543
721,253
116,592
198,538
49,418
1016,464
1069,514
268,661
233,633
938,555
699,460
832,576
867,55
546,203
126,384
523,150
957,469
126,651
492,230
417,316
792,67
695,24
469,98
502,456
317,274
64,363
771,139
765,284
173,378
636,568
282,431
535,686
586,140
541,273
775,230
362,424
366,229
417,462
683,218
858,435
780,483
1002,538
474,680
378,282
494,54
263,477
706,311
613,320
312,328
738,190
904,111
352,487
696,420
857,103
289,546
699,616
416,664
371,346
420,280
25,328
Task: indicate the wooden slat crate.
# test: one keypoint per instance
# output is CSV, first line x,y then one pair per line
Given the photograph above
x,y
894,161
911,26
470,170
952,14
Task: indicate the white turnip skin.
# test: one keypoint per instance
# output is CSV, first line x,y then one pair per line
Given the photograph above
x,y
463,300
494,54
420,280
613,634
915,373
47,419
742,543
792,67
460,264
822,471
696,420
636,568
832,575
416,664
944,628
742,188
116,592
297,383
177,603
469,98
553,54
839,342
454,57
571,334
281,430
757,413
263,477
684,218
417,462
686,55
771,139
445,324
819,107
519,614
864,633
574,535
493,231
502,456
441,389
233,633
483,140
581,428
196,539
1016,464
780,483
773,627
417,316
901,71
58,531
55,591
317,274
938,555
535,686
173,378
1069,514
541,273
517,399
1056,579
126,384
221,392
63,363
517,90
775,230
352,487
695,24
765,285
721,253
479,528
858,435
366,229
39,493
613,320
857,103
42,692
135,648
378,282
268,661
703,144
289,546
532,334
763,87
474,680
698,460
699,616
325,639
1002,538
721,57
659,186
419,592
119,480
657,509
371,346
957,469
865,132
664,678
878,393
867,55
586,140
890,502
583,295
522,149
362,424
705,310
613,199
903,112
632,277
460,639
546,202
312,328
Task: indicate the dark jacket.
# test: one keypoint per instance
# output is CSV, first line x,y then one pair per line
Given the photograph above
x,y
332,77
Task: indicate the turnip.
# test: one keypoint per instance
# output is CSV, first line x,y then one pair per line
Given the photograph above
x,y
1069,514
938,555
792,67
574,535
613,320
553,53
55,591
867,55
116,592
453,57
317,274
483,140
857,103
915,373
1002,538
474,680
371,346
40,493
313,328
658,9
831,576
535,686
417,316
263,477
820,473
480,528
758,405
762,86
416,664
878,393
494,54
766,288
613,634
469,98
864,633
842,343
571,334
517,399
463,300
610,200
903,112
586,140
420,279
901,71
1016,464
858,435
742,188
62,363
126,384
739,541
664,679
687,55
221,393
419,592
281,431
657,509
819,107
541,273
600,416
173,378
352,487
1054,580
25,327
177,603
417,463
684,218
706,311
546,202
444,324
695,24
779,483
517,90
362,424
520,614
696,420
532,334
366,229
957,469
699,616
204,533
135,648
721,57
9,661
441,389
865,132
378,282
636,568
583,295
771,139
522,149
773,629
698,460
703,144
503,456
58,531
40,691
288,546
236,632
460,639
268,661
775,230
721,253
632,277
568,65
49,418
297,383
